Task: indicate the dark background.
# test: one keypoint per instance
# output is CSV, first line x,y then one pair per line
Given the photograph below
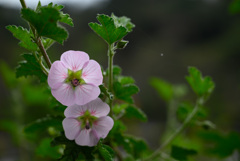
x,y
169,36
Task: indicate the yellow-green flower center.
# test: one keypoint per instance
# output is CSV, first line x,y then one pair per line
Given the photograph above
x,y
75,78
87,120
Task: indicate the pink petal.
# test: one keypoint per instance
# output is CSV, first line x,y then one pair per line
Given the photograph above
x,y
74,60
98,108
92,73
64,94
86,138
74,111
102,126
71,127
57,74
86,93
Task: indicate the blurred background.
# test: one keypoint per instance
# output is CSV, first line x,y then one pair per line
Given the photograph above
x,y
170,36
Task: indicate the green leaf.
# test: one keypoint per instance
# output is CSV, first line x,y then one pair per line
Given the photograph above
x,y
65,18
108,30
202,86
43,124
124,92
105,153
46,150
164,89
126,80
135,146
186,108
122,44
30,67
181,153
123,21
45,22
134,112
119,108
24,36
72,150
234,7
222,145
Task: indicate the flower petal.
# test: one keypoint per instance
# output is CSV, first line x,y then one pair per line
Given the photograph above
x,y
92,73
71,127
57,74
86,93
98,108
102,126
64,94
86,138
74,60
74,111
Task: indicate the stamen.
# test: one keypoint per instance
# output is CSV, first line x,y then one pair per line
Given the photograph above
x,y
75,82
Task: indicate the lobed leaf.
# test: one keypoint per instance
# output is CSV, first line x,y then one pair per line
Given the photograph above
x,y
134,112
65,18
123,21
45,22
24,36
202,86
125,92
30,67
108,30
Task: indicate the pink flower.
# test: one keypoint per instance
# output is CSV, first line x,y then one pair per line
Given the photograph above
x,y
75,79
88,123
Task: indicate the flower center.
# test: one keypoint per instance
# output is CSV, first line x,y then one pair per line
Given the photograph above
x,y
87,120
75,78
75,82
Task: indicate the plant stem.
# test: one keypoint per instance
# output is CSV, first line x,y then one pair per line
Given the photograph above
x,y
44,53
38,39
23,4
110,74
177,132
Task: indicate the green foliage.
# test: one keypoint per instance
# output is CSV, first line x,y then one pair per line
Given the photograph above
x,y
45,22
134,112
219,144
73,151
164,89
202,86
125,92
46,150
181,153
30,67
65,18
24,36
10,127
43,124
111,29
184,109
123,21
105,151
234,7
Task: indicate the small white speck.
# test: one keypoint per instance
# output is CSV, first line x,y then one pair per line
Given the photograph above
x,y
161,54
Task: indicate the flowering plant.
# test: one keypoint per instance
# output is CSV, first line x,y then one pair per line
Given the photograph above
x,y
88,107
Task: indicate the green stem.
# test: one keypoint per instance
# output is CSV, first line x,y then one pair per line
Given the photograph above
x,y
23,4
110,74
177,132
38,39
44,53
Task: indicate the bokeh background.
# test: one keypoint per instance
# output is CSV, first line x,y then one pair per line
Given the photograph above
x,y
170,36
